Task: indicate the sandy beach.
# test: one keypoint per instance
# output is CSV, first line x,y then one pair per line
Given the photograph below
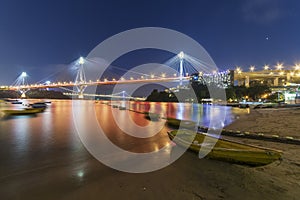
x,y
286,175
282,122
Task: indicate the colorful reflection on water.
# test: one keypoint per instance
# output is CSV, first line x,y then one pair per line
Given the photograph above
x,y
203,113
50,137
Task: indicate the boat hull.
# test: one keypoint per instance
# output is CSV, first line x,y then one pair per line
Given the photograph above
x,y
225,150
176,123
27,111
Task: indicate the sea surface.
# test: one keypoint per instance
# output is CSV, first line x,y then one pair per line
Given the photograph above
x,y
45,150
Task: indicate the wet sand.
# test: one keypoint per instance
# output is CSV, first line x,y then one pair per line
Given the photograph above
x,y
65,170
187,178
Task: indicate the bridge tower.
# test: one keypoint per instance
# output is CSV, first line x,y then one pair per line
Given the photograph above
x,y
20,83
80,78
181,58
123,102
23,91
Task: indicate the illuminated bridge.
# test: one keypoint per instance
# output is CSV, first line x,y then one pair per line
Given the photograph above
x,y
186,69
278,76
183,66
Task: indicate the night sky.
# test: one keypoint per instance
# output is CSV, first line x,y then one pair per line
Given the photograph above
x,y
39,37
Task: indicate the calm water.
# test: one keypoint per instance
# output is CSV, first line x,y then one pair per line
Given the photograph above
x,y
32,146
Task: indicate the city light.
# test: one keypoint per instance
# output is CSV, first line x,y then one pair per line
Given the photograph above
x,y
252,68
266,67
281,73
239,70
279,66
297,66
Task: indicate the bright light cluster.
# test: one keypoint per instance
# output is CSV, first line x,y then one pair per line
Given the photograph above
x,y
181,55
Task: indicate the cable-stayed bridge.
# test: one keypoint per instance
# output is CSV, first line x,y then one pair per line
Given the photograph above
x,y
182,67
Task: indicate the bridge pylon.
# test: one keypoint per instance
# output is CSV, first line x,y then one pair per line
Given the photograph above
x,y
20,83
23,93
80,78
80,91
181,58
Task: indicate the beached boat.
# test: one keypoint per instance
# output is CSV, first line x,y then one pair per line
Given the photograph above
x,y
16,102
26,111
225,150
152,116
39,105
266,105
249,104
181,123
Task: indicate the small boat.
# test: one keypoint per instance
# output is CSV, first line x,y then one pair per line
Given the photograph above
x,y
225,150
266,105
152,116
26,111
39,105
249,104
16,102
181,123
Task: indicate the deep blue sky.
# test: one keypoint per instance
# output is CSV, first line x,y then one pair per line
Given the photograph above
x,y
37,36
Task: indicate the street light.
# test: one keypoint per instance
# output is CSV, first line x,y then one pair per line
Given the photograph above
x,y
239,70
266,67
279,66
252,68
